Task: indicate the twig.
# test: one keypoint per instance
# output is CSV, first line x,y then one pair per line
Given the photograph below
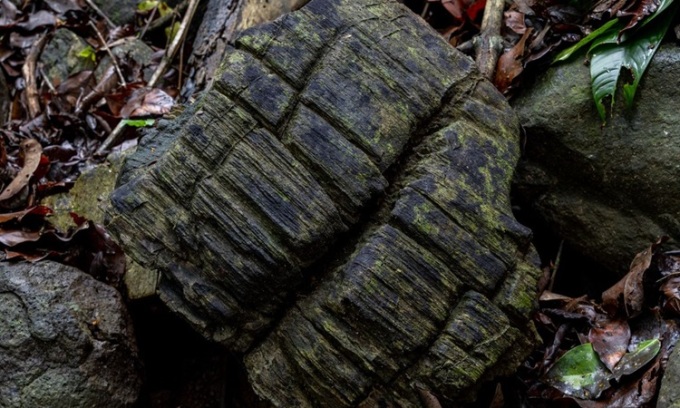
x,y
148,22
107,83
163,20
115,134
97,10
423,14
45,78
108,50
174,46
28,71
553,276
489,43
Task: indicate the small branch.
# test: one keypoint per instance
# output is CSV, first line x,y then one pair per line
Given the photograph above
x,y
556,266
45,78
148,22
111,140
28,71
163,20
108,50
106,84
174,46
97,10
489,43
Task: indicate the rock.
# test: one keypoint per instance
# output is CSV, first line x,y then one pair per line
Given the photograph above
x,y
65,340
60,57
88,198
336,208
120,12
135,49
88,195
609,192
669,394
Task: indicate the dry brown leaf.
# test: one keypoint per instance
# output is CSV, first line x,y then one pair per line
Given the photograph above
x,y
510,64
32,150
147,102
514,20
610,341
627,295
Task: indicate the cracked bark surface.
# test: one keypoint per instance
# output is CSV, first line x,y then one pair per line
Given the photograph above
x,y
65,340
337,208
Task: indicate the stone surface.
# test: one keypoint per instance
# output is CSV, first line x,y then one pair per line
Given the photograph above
x,y
120,12
336,207
134,49
609,192
88,195
60,57
669,394
65,340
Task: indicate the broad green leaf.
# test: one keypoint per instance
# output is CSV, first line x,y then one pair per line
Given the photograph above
x,y
147,5
88,53
634,54
633,361
579,373
566,54
171,31
138,122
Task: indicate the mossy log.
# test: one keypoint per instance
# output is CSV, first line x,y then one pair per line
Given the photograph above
x,y
336,208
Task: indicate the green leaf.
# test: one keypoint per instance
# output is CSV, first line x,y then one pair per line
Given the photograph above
x,y
164,9
147,5
171,31
633,361
139,122
634,54
88,53
566,54
579,373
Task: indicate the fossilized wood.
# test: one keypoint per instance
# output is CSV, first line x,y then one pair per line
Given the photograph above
x,y
336,207
222,19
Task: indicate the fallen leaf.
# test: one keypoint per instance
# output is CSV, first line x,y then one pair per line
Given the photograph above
x,y
627,295
579,373
11,238
671,290
42,18
610,341
514,20
18,215
510,64
32,152
147,102
635,360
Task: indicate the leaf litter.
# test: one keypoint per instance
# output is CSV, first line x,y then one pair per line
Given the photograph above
x,y
613,352
55,125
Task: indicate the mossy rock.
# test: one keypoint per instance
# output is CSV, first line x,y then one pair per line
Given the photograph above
x,y
336,208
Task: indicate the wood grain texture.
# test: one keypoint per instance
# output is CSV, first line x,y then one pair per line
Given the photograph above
x,y
336,208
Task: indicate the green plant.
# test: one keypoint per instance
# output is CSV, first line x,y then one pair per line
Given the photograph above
x,y
615,46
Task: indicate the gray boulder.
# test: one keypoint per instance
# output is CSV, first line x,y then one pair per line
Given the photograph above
x,y
65,340
608,191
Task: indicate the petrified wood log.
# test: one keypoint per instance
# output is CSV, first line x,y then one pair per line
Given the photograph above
x,y
336,207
